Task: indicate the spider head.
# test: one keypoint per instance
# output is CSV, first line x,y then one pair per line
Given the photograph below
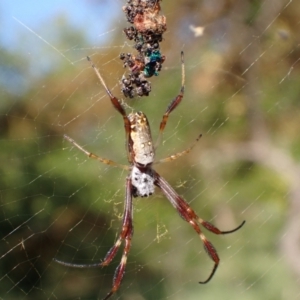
x,y
142,182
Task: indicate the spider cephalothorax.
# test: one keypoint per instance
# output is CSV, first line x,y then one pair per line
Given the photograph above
x,y
142,181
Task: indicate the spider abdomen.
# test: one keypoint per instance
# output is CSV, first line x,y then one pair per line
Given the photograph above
x,y
140,135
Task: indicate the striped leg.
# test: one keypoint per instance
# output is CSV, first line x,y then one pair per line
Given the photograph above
x,y
187,213
125,235
94,156
179,154
117,105
173,104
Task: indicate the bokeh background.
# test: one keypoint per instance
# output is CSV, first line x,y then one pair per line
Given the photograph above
x,y
242,94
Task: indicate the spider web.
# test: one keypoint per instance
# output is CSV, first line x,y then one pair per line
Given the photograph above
x,y
242,94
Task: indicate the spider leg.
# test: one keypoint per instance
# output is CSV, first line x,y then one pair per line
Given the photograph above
x,y
94,156
173,104
116,103
188,214
125,235
179,154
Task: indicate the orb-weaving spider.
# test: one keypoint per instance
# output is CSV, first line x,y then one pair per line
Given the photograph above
x,y
141,181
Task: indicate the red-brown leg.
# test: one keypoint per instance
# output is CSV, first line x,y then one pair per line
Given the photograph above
x,y
188,214
174,103
117,105
126,234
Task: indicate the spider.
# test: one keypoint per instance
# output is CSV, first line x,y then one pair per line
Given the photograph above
x,y
141,181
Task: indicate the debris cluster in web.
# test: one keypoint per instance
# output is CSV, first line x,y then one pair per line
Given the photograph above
x,y
147,29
